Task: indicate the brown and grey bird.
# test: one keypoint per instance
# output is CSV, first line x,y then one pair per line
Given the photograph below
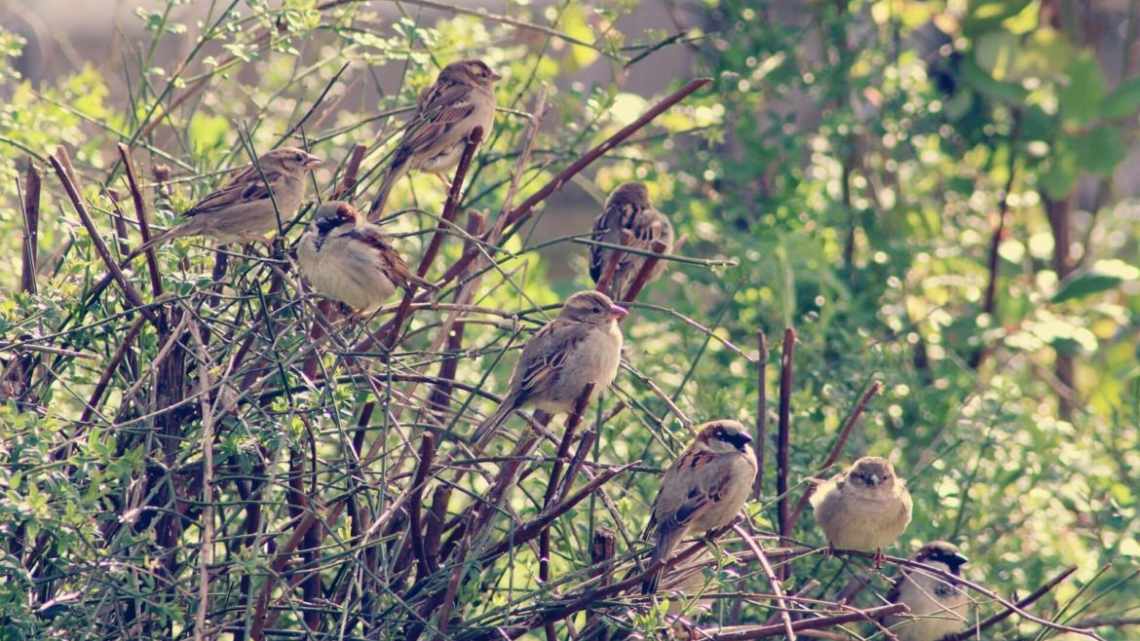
x,y
462,98
581,346
247,207
937,608
348,259
628,208
865,508
703,490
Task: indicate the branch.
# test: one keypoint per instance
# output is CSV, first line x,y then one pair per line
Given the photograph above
x,y
1004,614
646,269
783,435
144,224
762,631
761,445
773,580
32,185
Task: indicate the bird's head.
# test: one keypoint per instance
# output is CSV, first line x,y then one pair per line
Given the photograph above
x,y
944,553
332,214
592,307
472,72
289,159
633,193
872,473
724,436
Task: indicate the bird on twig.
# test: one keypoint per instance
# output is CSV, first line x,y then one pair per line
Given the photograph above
x,y
865,508
937,608
628,208
447,112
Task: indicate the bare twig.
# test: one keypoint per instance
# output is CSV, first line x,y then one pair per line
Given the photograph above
x,y
1004,614
647,267
773,580
31,204
783,436
761,444
144,223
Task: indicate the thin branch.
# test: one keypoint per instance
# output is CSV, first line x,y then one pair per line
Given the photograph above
x,y
761,444
773,580
783,436
1008,611
31,202
140,215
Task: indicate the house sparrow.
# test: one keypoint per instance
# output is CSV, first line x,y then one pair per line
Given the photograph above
x,y
937,609
865,508
243,210
628,207
348,259
581,346
704,488
461,99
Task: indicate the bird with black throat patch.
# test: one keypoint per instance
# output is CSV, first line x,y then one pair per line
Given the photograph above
x,y
702,490
347,259
938,607
461,99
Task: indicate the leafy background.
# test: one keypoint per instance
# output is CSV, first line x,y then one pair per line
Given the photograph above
x,y
939,196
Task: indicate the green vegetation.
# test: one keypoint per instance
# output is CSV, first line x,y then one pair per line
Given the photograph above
x,y
935,195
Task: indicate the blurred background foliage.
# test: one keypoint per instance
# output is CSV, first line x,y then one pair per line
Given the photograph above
x,y
940,196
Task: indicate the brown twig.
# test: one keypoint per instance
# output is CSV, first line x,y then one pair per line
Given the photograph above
x,y
1004,614
62,165
773,580
96,398
761,444
140,215
744,633
643,274
427,449
351,170
606,281
32,184
783,436
837,448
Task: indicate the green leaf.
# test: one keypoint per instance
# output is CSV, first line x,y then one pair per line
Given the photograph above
x,y
1100,149
1081,99
1085,285
1122,102
1060,177
977,78
994,52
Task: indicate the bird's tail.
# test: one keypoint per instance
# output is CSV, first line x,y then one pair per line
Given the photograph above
x,y
183,229
491,424
395,171
666,541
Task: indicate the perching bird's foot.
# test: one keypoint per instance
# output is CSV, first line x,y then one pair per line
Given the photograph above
x,y
878,558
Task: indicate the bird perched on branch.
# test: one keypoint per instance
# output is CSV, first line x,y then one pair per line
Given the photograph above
x,y
703,490
348,259
628,208
461,99
937,608
249,206
865,508
581,346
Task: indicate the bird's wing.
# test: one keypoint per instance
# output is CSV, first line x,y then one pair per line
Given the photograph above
x,y
694,482
394,265
246,187
439,112
544,355
607,229
652,226
825,488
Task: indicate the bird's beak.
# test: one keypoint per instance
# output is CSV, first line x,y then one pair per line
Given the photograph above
x,y
618,311
874,479
312,161
495,76
960,559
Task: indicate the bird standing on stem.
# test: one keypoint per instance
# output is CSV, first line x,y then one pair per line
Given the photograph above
x,y
462,98
703,490
628,207
348,259
865,508
937,608
249,206
581,346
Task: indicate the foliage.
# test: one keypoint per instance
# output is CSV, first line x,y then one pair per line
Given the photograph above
x,y
924,190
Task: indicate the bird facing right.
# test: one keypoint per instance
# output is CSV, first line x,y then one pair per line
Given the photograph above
x,y
461,99
581,346
865,508
348,259
703,490
937,608
628,208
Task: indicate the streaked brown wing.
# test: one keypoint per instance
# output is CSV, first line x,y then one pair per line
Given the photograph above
x,y
394,264
545,354
242,189
603,225
442,111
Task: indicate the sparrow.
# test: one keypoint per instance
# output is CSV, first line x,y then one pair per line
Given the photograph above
x,y
865,508
243,210
581,346
461,99
937,609
628,207
348,259
703,490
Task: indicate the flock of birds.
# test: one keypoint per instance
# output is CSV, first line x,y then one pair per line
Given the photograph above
x,y
344,256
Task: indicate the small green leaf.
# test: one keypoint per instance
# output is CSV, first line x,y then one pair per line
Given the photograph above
x,y
1099,150
1081,99
977,78
1059,179
1086,284
1124,101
